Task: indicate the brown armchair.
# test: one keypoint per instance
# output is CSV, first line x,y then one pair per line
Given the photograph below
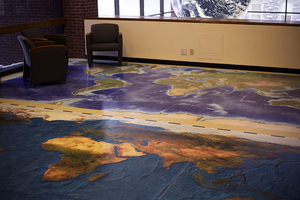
x,y
104,37
37,35
43,64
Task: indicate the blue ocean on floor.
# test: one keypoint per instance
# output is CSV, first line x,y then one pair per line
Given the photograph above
x,y
23,163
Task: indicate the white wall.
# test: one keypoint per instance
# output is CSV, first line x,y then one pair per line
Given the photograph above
x,y
255,45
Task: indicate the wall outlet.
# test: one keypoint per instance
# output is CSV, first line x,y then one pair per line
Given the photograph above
x,y
191,51
183,51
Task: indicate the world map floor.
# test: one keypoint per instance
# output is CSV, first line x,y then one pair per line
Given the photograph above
x,y
144,131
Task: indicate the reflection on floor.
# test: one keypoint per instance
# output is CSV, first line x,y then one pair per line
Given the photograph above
x,y
151,132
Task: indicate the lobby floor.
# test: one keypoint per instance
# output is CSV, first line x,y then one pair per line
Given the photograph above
x,y
144,131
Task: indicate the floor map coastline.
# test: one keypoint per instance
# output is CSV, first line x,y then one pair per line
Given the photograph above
x,y
51,152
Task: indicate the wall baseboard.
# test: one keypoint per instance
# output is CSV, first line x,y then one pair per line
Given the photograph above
x,y
203,65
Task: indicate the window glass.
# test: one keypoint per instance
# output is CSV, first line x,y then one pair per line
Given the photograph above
x,y
264,6
167,8
152,7
271,10
294,17
294,6
106,7
129,7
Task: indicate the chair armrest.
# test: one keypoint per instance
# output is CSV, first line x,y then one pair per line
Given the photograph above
x,y
59,39
46,47
88,37
56,35
43,43
37,39
120,38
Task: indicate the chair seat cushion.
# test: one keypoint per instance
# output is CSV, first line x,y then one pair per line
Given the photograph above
x,y
104,47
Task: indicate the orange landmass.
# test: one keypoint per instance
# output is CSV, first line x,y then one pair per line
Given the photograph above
x,y
83,155
206,151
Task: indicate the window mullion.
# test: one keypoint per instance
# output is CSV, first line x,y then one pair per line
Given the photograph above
x,y
162,9
142,8
285,15
117,7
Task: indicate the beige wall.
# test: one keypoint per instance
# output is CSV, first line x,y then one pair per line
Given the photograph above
x,y
255,45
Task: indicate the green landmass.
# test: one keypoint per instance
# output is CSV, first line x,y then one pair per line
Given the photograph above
x,y
295,103
182,86
265,84
243,80
104,84
97,176
89,131
107,83
110,70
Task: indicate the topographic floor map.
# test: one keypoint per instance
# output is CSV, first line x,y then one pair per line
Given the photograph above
x,y
151,132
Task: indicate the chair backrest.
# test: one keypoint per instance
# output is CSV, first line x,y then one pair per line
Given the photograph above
x,y
26,44
33,33
105,33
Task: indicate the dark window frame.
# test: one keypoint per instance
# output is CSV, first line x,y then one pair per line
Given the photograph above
x,y
162,11
142,8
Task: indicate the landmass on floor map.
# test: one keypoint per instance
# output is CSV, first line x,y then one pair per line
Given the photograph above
x,y
83,154
295,103
103,84
187,82
111,70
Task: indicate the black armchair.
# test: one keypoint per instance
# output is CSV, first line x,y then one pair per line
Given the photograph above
x,y
104,37
44,63
37,35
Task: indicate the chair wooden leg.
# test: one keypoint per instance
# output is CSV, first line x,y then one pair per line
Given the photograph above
x,y
120,57
31,86
90,58
63,82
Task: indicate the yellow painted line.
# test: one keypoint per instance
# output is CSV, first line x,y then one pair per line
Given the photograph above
x,y
158,118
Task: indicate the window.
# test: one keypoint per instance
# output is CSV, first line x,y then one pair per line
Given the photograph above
x,y
278,10
167,8
106,7
152,7
129,7
135,7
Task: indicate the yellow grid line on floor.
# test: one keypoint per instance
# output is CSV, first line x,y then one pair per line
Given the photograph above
x,y
156,118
